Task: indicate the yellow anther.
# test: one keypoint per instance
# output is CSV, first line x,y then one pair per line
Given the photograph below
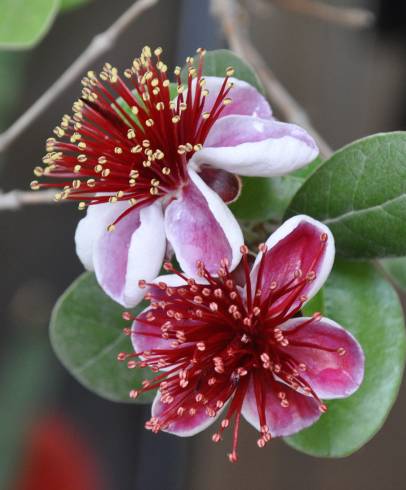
x,y
111,228
134,174
106,172
81,158
77,168
91,182
149,122
230,71
98,168
38,171
136,149
81,206
102,160
34,185
130,134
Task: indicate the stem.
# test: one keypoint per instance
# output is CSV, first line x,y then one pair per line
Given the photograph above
x,y
231,18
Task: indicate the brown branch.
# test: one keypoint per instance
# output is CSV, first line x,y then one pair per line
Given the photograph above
x,y
232,19
14,200
99,45
344,16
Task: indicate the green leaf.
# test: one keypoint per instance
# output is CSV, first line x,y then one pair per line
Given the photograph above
x,y
265,198
24,22
72,4
216,63
87,334
396,268
358,297
360,193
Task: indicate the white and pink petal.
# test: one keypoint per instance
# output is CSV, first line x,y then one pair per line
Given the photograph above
x,y
283,417
302,247
200,227
332,358
254,146
184,425
245,99
121,258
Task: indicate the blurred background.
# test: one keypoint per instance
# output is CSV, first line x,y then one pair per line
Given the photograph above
x,y
56,435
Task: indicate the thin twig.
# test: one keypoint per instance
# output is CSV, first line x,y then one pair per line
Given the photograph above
x,y
231,17
14,200
99,45
344,16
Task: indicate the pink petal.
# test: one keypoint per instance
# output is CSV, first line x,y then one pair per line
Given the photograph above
x,y
252,146
200,226
246,100
301,412
133,251
226,185
297,245
186,425
330,374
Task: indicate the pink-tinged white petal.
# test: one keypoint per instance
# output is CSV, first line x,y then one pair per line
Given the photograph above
x,y
183,426
133,251
200,227
300,244
92,227
333,359
258,147
225,184
283,418
245,99
145,336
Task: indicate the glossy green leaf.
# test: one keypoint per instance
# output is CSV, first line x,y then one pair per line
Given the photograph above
x,y
396,268
72,4
360,193
24,22
217,61
358,297
87,335
265,198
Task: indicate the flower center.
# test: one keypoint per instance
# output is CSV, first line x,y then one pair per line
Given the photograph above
x,y
216,338
131,143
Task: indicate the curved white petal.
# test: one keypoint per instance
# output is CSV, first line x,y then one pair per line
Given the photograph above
x,y
200,226
133,251
186,425
92,227
252,146
245,99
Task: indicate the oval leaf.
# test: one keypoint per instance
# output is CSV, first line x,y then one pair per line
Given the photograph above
x,y
87,334
359,298
217,61
396,268
24,23
360,193
264,198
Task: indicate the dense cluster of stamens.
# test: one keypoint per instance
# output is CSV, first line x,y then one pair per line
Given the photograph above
x,y
131,143
221,337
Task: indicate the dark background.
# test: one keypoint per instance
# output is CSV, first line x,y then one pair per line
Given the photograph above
x,y
351,82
